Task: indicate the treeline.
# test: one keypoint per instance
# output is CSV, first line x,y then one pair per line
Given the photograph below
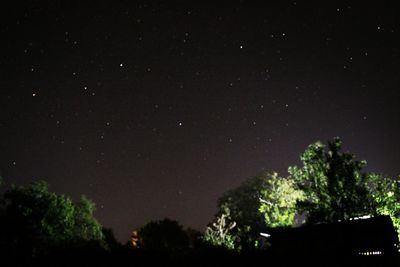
x,y
39,227
330,186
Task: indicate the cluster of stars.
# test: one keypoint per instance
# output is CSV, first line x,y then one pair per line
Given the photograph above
x,y
181,87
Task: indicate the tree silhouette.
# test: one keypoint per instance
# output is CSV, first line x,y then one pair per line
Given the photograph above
x,y
162,236
35,221
243,204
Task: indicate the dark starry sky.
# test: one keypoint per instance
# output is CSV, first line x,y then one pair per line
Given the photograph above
x,y
155,109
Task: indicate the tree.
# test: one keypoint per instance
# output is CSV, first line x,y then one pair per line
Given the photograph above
x,y
36,221
278,201
162,236
243,204
110,240
336,187
242,208
334,184
385,193
86,227
219,233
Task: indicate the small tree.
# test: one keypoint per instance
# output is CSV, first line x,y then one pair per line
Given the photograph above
x,y
219,233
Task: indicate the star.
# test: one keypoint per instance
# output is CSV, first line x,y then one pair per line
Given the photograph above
x,y
250,79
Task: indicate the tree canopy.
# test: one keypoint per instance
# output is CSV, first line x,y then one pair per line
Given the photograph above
x,y
240,206
329,186
263,201
36,221
162,235
385,195
337,188
278,201
334,183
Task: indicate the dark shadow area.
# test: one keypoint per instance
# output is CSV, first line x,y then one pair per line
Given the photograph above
x,y
371,241
366,242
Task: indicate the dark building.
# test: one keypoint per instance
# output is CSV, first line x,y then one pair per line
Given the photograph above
x,y
369,240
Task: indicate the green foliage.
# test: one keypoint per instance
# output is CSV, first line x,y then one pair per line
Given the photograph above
x,y
385,193
278,201
219,233
243,206
333,182
36,220
86,227
336,187
164,235
330,186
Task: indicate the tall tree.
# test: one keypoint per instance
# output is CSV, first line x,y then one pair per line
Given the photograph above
x,y
334,183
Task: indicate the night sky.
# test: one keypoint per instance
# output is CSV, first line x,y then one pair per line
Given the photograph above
x,y
154,110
